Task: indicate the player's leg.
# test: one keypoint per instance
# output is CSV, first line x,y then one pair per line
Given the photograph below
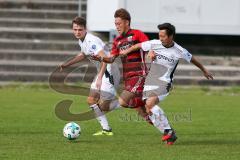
x,y
125,98
107,105
93,100
110,83
136,103
159,119
131,97
139,105
142,112
108,99
156,113
137,86
155,91
133,87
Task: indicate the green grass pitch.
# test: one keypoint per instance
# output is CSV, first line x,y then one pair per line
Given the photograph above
x,y
207,122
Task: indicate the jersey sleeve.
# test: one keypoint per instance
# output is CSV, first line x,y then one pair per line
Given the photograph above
x,y
115,50
186,55
146,46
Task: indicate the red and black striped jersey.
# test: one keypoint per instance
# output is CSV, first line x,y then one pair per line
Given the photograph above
x,y
134,62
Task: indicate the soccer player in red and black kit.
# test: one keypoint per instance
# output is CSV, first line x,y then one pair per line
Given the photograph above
x,y
134,71
134,66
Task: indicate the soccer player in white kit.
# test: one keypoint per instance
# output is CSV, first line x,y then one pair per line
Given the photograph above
x,y
165,55
107,80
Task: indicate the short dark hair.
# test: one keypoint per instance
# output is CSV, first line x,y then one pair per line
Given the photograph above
x,y
79,21
123,14
170,29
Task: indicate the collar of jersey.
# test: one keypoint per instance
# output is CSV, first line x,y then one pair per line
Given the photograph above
x,y
124,34
83,38
169,47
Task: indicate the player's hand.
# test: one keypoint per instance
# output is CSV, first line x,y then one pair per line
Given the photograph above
x,y
151,55
123,53
99,83
61,67
96,58
208,75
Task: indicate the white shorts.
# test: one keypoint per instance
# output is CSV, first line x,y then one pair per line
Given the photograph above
x,y
109,84
161,90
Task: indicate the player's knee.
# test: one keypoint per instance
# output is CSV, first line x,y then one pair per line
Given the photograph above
x,y
104,106
122,102
91,100
149,105
152,101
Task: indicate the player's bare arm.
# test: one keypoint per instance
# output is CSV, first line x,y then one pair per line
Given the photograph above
x,y
206,73
109,59
131,49
104,58
101,71
74,60
151,55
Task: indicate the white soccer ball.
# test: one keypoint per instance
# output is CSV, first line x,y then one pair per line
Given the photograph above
x,y
71,131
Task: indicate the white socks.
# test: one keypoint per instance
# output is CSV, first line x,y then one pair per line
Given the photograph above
x,y
100,116
159,119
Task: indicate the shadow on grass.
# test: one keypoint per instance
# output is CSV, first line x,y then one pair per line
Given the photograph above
x,y
210,138
209,142
79,141
212,133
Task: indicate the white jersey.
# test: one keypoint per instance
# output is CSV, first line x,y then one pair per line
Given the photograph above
x,y
90,46
166,60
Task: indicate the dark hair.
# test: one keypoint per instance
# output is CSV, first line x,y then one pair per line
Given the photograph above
x,y
123,14
170,29
79,21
